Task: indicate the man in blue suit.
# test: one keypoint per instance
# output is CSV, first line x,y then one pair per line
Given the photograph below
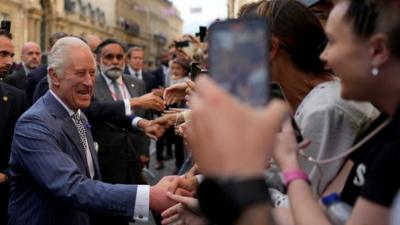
x,y
54,172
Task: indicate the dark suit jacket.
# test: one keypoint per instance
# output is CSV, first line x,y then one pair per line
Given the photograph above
x,y
34,77
41,88
159,76
12,105
49,175
148,78
17,78
119,143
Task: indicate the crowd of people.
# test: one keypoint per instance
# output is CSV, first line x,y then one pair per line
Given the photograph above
x,y
75,131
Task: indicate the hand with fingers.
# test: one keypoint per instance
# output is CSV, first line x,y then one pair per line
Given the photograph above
x,y
152,130
3,178
158,92
193,171
159,201
184,185
148,101
221,129
186,212
175,93
166,120
182,130
286,150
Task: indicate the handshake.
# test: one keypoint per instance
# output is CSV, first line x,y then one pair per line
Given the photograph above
x,y
157,100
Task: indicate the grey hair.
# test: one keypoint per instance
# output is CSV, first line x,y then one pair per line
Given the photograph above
x,y
58,58
134,49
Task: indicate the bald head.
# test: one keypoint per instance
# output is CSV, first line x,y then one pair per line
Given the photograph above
x,y
93,41
31,55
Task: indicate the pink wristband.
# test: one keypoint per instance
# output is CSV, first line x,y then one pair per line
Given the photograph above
x,y
292,175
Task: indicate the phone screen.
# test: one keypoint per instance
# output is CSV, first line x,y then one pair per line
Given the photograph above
x,y
238,58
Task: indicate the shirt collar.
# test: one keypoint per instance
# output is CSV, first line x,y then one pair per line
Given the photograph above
x,y
26,69
132,71
70,111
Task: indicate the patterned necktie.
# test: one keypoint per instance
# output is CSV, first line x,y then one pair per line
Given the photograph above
x,y
117,90
82,134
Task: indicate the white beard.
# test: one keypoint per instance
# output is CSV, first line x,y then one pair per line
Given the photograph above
x,y
111,71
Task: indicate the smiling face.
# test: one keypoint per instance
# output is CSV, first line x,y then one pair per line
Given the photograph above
x,y
75,86
348,55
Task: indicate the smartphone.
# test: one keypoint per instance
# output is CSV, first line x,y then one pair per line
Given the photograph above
x,y
276,92
182,44
238,58
194,70
5,26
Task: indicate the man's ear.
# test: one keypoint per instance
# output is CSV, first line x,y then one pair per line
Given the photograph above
x,y
273,47
379,50
55,80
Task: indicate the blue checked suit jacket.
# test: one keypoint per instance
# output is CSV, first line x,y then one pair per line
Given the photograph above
x,y
49,174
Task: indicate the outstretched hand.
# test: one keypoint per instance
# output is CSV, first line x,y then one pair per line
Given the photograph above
x,y
152,130
175,93
229,138
148,101
187,211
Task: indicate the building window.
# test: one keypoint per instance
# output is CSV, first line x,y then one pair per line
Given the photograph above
x,y
4,16
70,6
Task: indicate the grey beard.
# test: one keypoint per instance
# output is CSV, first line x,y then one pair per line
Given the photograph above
x,y
113,74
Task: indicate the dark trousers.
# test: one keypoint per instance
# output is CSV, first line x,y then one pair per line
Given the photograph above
x,y
4,194
168,139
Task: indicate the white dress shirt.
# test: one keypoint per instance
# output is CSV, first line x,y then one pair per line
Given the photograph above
x,y
136,73
126,96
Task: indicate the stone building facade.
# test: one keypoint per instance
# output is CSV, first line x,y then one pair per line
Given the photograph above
x,y
151,24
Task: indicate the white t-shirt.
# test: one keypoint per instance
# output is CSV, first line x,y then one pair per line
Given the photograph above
x,y
332,124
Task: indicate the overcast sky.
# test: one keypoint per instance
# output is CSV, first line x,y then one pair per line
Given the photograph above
x,y
211,10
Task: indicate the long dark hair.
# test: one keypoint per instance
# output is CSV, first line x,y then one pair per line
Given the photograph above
x,y
389,22
299,31
363,15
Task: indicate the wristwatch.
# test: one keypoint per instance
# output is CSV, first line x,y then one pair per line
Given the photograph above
x,y
223,200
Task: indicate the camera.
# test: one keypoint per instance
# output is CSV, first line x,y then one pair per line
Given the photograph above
x,y
5,26
181,44
202,33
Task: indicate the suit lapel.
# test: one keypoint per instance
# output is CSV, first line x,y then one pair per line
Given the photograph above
x,y
102,91
68,127
91,147
70,130
131,86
